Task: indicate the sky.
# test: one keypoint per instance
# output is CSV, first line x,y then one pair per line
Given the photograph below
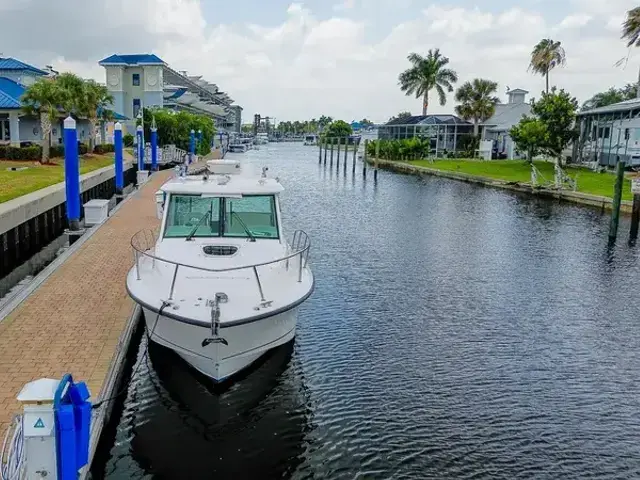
x,y
296,60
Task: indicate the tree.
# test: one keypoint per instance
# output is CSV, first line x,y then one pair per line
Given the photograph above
x,y
96,102
530,136
611,96
41,99
73,99
547,55
557,112
425,74
338,128
631,33
400,115
477,101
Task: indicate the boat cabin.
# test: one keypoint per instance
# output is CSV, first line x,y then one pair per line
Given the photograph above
x,y
223,204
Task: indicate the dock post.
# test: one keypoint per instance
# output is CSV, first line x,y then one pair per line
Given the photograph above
x,y
338,155
72,173
319,150
635,217
346,149
117,148
140,143
364,159
617,197
154,149
355,152
192,146
331,159
375,162
325,149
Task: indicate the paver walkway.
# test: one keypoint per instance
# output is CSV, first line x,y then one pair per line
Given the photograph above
x,y
72,322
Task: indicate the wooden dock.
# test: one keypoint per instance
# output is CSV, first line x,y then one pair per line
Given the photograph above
x,y
74,319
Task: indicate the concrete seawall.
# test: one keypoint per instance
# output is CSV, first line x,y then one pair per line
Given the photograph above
x,y
603,203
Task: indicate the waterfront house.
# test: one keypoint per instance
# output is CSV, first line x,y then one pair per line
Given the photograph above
x,y
445,131
609,133
16,128
139,81
506,116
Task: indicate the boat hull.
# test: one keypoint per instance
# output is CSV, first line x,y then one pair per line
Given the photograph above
x,y
246,342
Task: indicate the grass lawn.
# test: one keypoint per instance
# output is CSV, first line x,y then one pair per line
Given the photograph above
x,y
519,171
14,184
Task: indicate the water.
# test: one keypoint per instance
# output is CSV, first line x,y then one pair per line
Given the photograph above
x,y
455,332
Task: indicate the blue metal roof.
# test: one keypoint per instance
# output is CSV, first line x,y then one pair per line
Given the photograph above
x,y
10,93
146,58
8,63
116,115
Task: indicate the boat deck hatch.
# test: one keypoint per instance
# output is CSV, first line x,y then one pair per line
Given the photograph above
x,y
219,249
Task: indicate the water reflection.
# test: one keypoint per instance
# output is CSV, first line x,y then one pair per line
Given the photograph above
x,y
179,425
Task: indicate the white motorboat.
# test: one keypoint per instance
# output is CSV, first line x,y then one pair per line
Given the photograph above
x,y
220,285
311,140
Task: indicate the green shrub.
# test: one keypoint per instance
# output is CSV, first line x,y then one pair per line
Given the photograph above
x,y
127,139
102,149
21,153
82,149
56,151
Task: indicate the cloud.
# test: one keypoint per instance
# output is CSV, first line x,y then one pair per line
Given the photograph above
x,y
310,64
344,5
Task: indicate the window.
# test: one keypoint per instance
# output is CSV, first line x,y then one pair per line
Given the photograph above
x,y
136,106
187,211
606,132
243,217
136,79
255,214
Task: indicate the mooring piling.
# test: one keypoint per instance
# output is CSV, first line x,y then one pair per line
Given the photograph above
x,y
338,153
617,197
118,153
346,149
72,173
355,151
325,150
364,159
320,150
375,162
331,157
635,209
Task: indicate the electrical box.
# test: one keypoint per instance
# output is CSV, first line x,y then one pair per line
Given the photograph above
x,y
39,428
96,211
142,176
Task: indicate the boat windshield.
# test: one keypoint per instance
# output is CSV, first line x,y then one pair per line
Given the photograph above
x,y
252,216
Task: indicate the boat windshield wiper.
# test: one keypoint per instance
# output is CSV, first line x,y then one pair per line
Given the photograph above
x,y
195,229
244,225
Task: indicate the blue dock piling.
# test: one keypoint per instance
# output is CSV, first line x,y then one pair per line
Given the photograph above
x,y
117,147
140,147
154,149
72,173
192,145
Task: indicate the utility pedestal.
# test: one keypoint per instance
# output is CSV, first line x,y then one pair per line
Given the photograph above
x,y
39,428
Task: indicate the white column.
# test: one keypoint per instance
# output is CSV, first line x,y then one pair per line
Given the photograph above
x,y
14,129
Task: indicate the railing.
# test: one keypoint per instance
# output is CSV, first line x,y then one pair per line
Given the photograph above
x,y
144,242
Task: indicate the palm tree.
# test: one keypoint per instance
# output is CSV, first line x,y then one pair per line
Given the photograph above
x,y
96,102
42,99
477,101
73,93
427,73
631,33
547,55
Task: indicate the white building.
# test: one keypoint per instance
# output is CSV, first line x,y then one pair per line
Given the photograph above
x,y
507,115
144,80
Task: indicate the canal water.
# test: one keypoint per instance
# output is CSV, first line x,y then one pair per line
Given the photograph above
x,y
455,332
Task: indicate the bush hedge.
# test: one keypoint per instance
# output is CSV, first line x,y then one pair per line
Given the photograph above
x,y
101,149
34,152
